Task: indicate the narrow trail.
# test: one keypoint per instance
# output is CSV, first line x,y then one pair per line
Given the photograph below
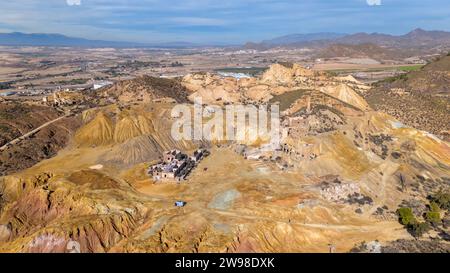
x,y
366,228
30,133
388,170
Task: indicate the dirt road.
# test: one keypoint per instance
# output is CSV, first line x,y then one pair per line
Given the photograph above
x,y
30,133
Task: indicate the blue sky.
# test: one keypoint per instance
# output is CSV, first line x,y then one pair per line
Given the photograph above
x,y
218,21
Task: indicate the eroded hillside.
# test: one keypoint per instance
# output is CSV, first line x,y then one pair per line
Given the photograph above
x,y
337,179
419,98
145,89
17,119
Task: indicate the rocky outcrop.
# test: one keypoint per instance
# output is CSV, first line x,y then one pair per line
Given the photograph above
x,y
134,136
346,94
337,191
99,131
145,89
416,246
45,213
277,80
101,199
288,74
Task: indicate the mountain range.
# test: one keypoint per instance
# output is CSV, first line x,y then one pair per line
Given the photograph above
x,y
59,40
297,38
417,38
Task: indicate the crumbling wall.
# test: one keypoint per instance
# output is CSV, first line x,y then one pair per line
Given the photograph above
x,y
337,191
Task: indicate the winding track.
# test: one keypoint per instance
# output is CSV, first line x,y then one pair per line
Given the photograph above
x,y
30,133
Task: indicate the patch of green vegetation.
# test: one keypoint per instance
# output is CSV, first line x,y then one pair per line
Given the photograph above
x,y
406,68
406,216
287,64
252,71
332,73
442,199
434,207
402,77
409,68
73,81
288,98
4,128
418,229
5,85
433,217
331,109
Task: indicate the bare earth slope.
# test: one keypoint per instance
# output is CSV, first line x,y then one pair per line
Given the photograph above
x,y
277,80
146,89
17,119
338,177
419,98
365,50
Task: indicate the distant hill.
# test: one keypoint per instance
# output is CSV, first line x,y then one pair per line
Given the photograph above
x,y
300,38
364,50
58,40
146,89
35,39
417,38
419,99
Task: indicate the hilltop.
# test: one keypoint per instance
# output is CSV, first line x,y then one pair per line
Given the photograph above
x,y
17,119
277,80
364,50
145,89
419,98
415,41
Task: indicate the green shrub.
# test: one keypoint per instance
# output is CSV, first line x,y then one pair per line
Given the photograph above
x,y
418,229
434,207
406,216
433,217
442,199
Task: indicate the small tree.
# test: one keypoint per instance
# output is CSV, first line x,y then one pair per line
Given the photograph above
x,y
434,215
442,199
434,207
418,229
406,216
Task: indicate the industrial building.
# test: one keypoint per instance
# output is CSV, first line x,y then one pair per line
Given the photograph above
x,y
176,165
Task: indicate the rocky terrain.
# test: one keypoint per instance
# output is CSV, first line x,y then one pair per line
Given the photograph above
x,y
414,43
419,98
277,80
145,89
17,119
365,50
338,179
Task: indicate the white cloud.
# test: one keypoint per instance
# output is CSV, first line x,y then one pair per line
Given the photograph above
x,y
374,2
73,2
